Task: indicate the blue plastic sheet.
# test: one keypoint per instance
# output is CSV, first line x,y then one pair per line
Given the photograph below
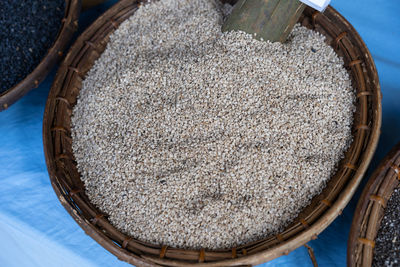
x,y
35,230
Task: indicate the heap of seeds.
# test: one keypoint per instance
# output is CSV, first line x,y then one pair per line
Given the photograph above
x,y
27,30
387,247
192,138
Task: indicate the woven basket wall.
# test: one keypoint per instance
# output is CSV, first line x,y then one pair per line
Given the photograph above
x,y
370,209
68,26
309,224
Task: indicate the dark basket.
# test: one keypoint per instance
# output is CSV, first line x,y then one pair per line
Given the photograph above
x,y
69,25
370,209
309,224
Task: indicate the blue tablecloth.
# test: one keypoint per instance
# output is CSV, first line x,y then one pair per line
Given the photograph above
x,y
35,230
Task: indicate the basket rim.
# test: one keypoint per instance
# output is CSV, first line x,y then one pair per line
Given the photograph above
x,y
283,248
380,181
69,24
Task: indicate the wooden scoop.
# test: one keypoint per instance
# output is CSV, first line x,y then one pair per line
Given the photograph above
x,y
271,20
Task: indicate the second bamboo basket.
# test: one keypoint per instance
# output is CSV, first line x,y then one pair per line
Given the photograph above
x,y
370,210
69,25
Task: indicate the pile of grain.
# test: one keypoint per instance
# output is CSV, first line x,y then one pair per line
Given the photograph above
x,y
387,247
27,30
192,138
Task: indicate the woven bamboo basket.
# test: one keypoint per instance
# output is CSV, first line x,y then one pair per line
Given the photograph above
x,y
312,220
68,26
370,209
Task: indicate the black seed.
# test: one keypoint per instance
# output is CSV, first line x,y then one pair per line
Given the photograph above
x,y
387,243
26,33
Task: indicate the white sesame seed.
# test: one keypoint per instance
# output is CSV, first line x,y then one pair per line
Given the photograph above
x,y
189,137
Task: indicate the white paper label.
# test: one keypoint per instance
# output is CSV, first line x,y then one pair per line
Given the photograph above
x,y
319,5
